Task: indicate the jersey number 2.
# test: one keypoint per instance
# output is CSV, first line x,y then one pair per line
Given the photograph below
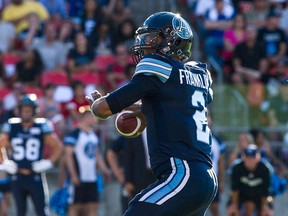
x,y
200,118
31,152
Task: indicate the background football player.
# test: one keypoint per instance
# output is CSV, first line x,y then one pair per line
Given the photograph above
x,y
26,137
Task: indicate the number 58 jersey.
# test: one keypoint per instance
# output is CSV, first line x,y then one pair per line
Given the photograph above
x,y
27,143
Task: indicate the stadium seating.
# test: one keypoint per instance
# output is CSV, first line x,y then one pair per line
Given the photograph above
x,y
63,92
55,77
87,77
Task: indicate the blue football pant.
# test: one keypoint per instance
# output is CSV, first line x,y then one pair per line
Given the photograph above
x,y
187,190
34,186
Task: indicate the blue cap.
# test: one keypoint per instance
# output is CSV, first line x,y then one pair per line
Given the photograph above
x,y
251,150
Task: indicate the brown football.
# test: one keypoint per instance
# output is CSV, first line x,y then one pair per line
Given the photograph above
x,y
128,127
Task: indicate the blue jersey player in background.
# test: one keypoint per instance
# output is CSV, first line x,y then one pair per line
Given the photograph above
x,y
174,99
26,137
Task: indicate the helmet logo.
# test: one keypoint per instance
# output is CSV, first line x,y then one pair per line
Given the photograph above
x,y
181,27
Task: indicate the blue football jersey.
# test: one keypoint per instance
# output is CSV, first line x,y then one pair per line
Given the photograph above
x,y
27,143
177,114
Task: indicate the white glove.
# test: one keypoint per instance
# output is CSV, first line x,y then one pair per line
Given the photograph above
x,y
9,166
42,165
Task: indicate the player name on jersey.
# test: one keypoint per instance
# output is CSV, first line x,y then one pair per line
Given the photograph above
x,y
190,78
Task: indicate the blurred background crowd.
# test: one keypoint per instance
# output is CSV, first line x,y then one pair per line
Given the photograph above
x,y
61,50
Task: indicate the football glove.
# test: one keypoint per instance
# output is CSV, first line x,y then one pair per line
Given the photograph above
x,y
41,165
9,166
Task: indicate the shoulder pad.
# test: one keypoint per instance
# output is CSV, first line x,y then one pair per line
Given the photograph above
x,y
195,64
71,138
14,120
153,65
40,120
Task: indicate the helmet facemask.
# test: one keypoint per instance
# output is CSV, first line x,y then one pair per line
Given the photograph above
x,y
146,42
155,41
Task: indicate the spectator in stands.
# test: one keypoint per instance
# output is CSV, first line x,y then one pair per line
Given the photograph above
x,y
71,108
129,72
76,9
249,60
117,11
93,14
283,24
244,139
280,71
83,158
199,9
250,182
101,39
3,74
257,16
11,100
243,6
233,37
116,71
267,152
7,35
29,69
277,103
55,7
126,32
19,12
67,33
50,109
273,38
217,20
51,50
81,58
202,6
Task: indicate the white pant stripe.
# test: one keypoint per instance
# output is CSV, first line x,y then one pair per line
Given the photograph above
x,y
163,184
179,188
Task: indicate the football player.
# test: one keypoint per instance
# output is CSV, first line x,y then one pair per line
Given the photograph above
x,y
26,137
174,98
83,158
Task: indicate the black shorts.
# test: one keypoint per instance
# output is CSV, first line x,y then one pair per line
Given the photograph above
x,y
84,193
5,185
255,199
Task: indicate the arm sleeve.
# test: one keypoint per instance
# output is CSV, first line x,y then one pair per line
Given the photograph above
x,y
139,87
70,140
6,128
47,127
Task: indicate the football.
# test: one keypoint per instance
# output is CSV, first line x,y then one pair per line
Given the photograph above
x,y
127,127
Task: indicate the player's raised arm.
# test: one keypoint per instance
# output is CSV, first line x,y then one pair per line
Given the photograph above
x,y
99,105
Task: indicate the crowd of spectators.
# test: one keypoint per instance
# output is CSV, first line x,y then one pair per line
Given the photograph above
x,y
248,41
49,47
225,27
